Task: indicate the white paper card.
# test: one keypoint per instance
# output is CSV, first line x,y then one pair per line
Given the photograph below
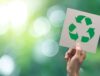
x,y
81,27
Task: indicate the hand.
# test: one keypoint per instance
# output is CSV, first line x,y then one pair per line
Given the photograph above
x,y
74,58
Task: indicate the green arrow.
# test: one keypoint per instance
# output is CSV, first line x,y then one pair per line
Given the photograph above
x,y
72,27
79,18
84,39
88,21
73,36
91,32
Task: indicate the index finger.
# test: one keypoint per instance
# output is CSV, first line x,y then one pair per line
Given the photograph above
x,y
67,54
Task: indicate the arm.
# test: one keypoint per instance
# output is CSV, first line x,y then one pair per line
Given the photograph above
x,y
74,58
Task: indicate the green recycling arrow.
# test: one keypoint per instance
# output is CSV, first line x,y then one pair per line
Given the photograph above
x,y
72,27
73,36
90,31
88,21
80,18
84,39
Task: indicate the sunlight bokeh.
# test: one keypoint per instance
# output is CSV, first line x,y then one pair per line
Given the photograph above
x,y
30,31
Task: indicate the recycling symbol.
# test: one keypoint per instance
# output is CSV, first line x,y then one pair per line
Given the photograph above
x,y
90,30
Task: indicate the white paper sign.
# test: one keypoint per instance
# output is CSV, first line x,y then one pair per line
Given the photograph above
x,y
81,27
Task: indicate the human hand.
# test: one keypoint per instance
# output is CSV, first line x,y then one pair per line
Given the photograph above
x,y
74,58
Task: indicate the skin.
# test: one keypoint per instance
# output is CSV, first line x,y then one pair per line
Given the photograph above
x,y
74,58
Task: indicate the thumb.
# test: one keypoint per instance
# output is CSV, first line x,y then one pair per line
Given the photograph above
x,y
78,49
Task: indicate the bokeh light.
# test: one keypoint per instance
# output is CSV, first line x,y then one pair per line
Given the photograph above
x,y
48,47
6,65
56,15
13,13
30,31
18,11
41,26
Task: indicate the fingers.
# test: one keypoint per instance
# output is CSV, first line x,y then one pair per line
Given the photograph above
x,y
70,53
70,50
83,55
80,54
67,54
78,50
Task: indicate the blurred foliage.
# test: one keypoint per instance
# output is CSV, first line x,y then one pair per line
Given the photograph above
x,y
22,47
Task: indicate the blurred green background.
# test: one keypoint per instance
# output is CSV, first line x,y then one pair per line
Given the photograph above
x,y
29,37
